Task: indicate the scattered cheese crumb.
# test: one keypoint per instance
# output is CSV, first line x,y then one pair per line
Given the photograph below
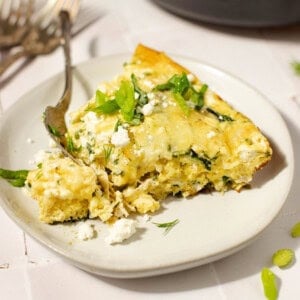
x,y
191,77
210,134
147,109
120,137
52,143
30,141
150,95
121,230
40,156
85,231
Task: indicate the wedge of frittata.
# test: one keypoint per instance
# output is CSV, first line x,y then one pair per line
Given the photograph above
x,y
155,130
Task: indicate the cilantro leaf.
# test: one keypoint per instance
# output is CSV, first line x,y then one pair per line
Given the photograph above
x,y
107,108
177,83
101,98
198,97
125,100
143,98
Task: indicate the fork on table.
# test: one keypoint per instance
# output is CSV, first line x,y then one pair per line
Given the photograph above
x,y
44,35
14,21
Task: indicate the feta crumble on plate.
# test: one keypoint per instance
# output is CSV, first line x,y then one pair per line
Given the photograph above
x,y
121,230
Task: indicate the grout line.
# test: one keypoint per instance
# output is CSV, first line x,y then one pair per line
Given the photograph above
x,y
25,245
216,276
26,275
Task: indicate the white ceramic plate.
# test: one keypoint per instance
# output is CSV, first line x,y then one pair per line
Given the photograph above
x,y
211,225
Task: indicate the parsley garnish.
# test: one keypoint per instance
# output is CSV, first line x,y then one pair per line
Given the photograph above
x,y
198,97
107,150
226,180
15,178
125,99
54,131
206,161
71,147
167,226
107,108
220,117
183,91
143,98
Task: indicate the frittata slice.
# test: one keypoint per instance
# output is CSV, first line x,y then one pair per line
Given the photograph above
x,y
156,130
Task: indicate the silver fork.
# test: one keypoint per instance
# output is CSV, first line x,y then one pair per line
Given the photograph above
x,y
44,37
14,21
54,117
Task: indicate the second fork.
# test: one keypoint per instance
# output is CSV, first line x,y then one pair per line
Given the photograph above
x,y
44,37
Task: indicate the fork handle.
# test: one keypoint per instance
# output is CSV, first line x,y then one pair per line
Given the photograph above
x,y
66,36
9,60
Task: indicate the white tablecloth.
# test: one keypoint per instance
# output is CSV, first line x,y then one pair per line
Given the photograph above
x,y
261,58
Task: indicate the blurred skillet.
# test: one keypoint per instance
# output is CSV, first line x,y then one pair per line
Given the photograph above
x,y
245,13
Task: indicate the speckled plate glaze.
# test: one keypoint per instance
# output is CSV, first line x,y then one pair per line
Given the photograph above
x,y
211,225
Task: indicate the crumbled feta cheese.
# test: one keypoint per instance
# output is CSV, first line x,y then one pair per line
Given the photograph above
x,y
190,77
102,88
30,141
91,120
150,96
120,137
246,153
136,95
165,104
149,84
52,143
147,109
121,230
210,134
40,156
146,218
85,231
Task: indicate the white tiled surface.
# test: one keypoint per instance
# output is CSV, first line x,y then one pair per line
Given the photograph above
x,y
260,57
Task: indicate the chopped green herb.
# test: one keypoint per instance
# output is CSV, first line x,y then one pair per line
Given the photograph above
x,y
268,279
296,66
283,257
177,83
183,91
226,180
295,231
15,178
220,117
118,123
107,108
89,149
206,161
182,103
125,100
71,147
77,135
101,98
198,97
39,165
143,98
107,150
167,226
54,131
